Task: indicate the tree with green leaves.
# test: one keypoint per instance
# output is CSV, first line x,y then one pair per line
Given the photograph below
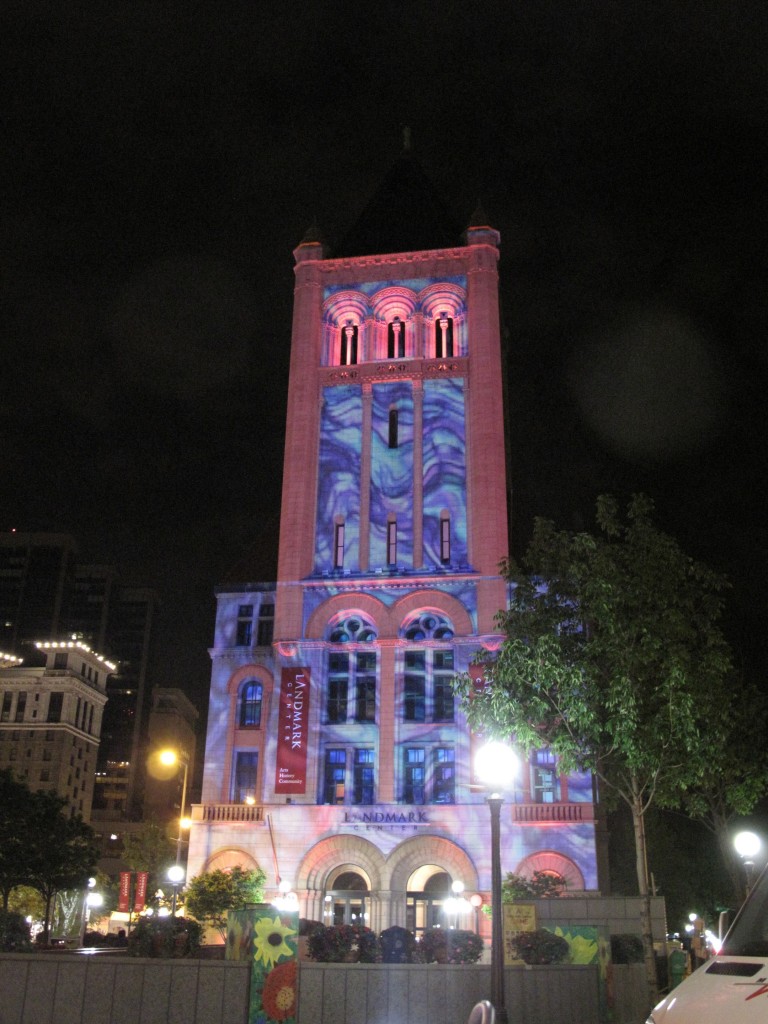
x,y
611,640
15,799
62,851
733,770
210,895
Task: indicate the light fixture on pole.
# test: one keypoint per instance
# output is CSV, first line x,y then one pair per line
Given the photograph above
x,y
747,845
169,758
496,765
176,875
91,900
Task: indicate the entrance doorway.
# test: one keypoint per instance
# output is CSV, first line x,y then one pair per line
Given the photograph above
x,y
347,899
428,889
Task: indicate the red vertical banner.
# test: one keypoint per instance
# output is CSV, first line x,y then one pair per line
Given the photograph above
x,y
140,899
292,732
124,898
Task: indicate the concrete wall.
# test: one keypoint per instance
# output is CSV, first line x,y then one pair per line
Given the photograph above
x,y
414,993
56,988
61,988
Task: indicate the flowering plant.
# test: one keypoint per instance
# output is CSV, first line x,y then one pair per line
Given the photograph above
x,y
540,947
336,943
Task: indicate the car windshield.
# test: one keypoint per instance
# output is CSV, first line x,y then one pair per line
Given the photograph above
x,y
749,934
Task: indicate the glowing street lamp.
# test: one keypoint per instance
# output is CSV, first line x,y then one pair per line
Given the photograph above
x,y
496,765
91,901
747,845
170,758
176,875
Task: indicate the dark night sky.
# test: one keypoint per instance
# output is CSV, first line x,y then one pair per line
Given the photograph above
x,y
160,161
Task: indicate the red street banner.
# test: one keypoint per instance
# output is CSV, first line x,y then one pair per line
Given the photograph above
x,y
124,899
291,766
140,898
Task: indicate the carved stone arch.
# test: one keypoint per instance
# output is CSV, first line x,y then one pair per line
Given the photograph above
x,y
349,603
557,863
396,300
433,600
246,672
229,857
342,850
346,305
444,297
414,853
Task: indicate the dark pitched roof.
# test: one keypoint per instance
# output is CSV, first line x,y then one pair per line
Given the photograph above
x,y
405,214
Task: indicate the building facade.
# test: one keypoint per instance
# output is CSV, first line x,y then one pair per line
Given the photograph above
x,y
50,720
336,756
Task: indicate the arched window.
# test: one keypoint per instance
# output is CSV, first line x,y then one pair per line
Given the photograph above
x,y
444,337
251,697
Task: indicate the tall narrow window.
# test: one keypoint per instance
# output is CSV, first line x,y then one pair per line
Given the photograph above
x,y
414,690
396,339
21,704
392,542
338,687
444,337
251,697
365,696
338,546
266,625
244,781
335,771
442,674
6,713
444,777
413,789
244,625
445,538
348,345
393,428
363,777
55,704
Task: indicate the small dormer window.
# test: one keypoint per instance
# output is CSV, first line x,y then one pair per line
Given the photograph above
x,y
445,538
338,544
396,339
392,541
348,355
444,337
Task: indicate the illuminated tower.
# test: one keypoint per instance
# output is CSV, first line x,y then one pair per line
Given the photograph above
x,y
337,756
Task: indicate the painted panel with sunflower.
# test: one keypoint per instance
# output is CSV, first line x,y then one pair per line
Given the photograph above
x,y
267,938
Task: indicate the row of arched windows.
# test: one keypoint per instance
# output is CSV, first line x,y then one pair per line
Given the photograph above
x,y
402,342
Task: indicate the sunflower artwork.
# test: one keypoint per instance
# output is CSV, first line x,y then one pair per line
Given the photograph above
x,y
271,936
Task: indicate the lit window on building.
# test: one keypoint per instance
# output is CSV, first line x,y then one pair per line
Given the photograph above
x,y
545,780
415,776
348,354
362,792
396,339
444,776
251,698
266,628
244,625
335,776
444,337
244,776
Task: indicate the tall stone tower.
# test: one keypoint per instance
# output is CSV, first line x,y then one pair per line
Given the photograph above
x,y
337,758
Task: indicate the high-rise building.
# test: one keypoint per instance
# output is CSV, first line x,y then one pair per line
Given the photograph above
x,y
50,720
337,758
45,591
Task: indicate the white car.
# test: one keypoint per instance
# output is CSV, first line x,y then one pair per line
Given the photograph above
x,y
732,988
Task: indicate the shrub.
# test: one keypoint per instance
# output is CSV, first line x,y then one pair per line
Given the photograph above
x,y
540,947
626,948
165,937
451,946
14,933
332,944
397,945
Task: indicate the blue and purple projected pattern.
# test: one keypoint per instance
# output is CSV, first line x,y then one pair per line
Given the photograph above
x,y
445,478
580,788
392,472
338,480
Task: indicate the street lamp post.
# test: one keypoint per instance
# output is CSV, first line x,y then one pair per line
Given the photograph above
x,y
176,875
496,765
172,757
747,846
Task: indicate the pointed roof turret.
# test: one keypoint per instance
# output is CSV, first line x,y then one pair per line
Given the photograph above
x,y
405,214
